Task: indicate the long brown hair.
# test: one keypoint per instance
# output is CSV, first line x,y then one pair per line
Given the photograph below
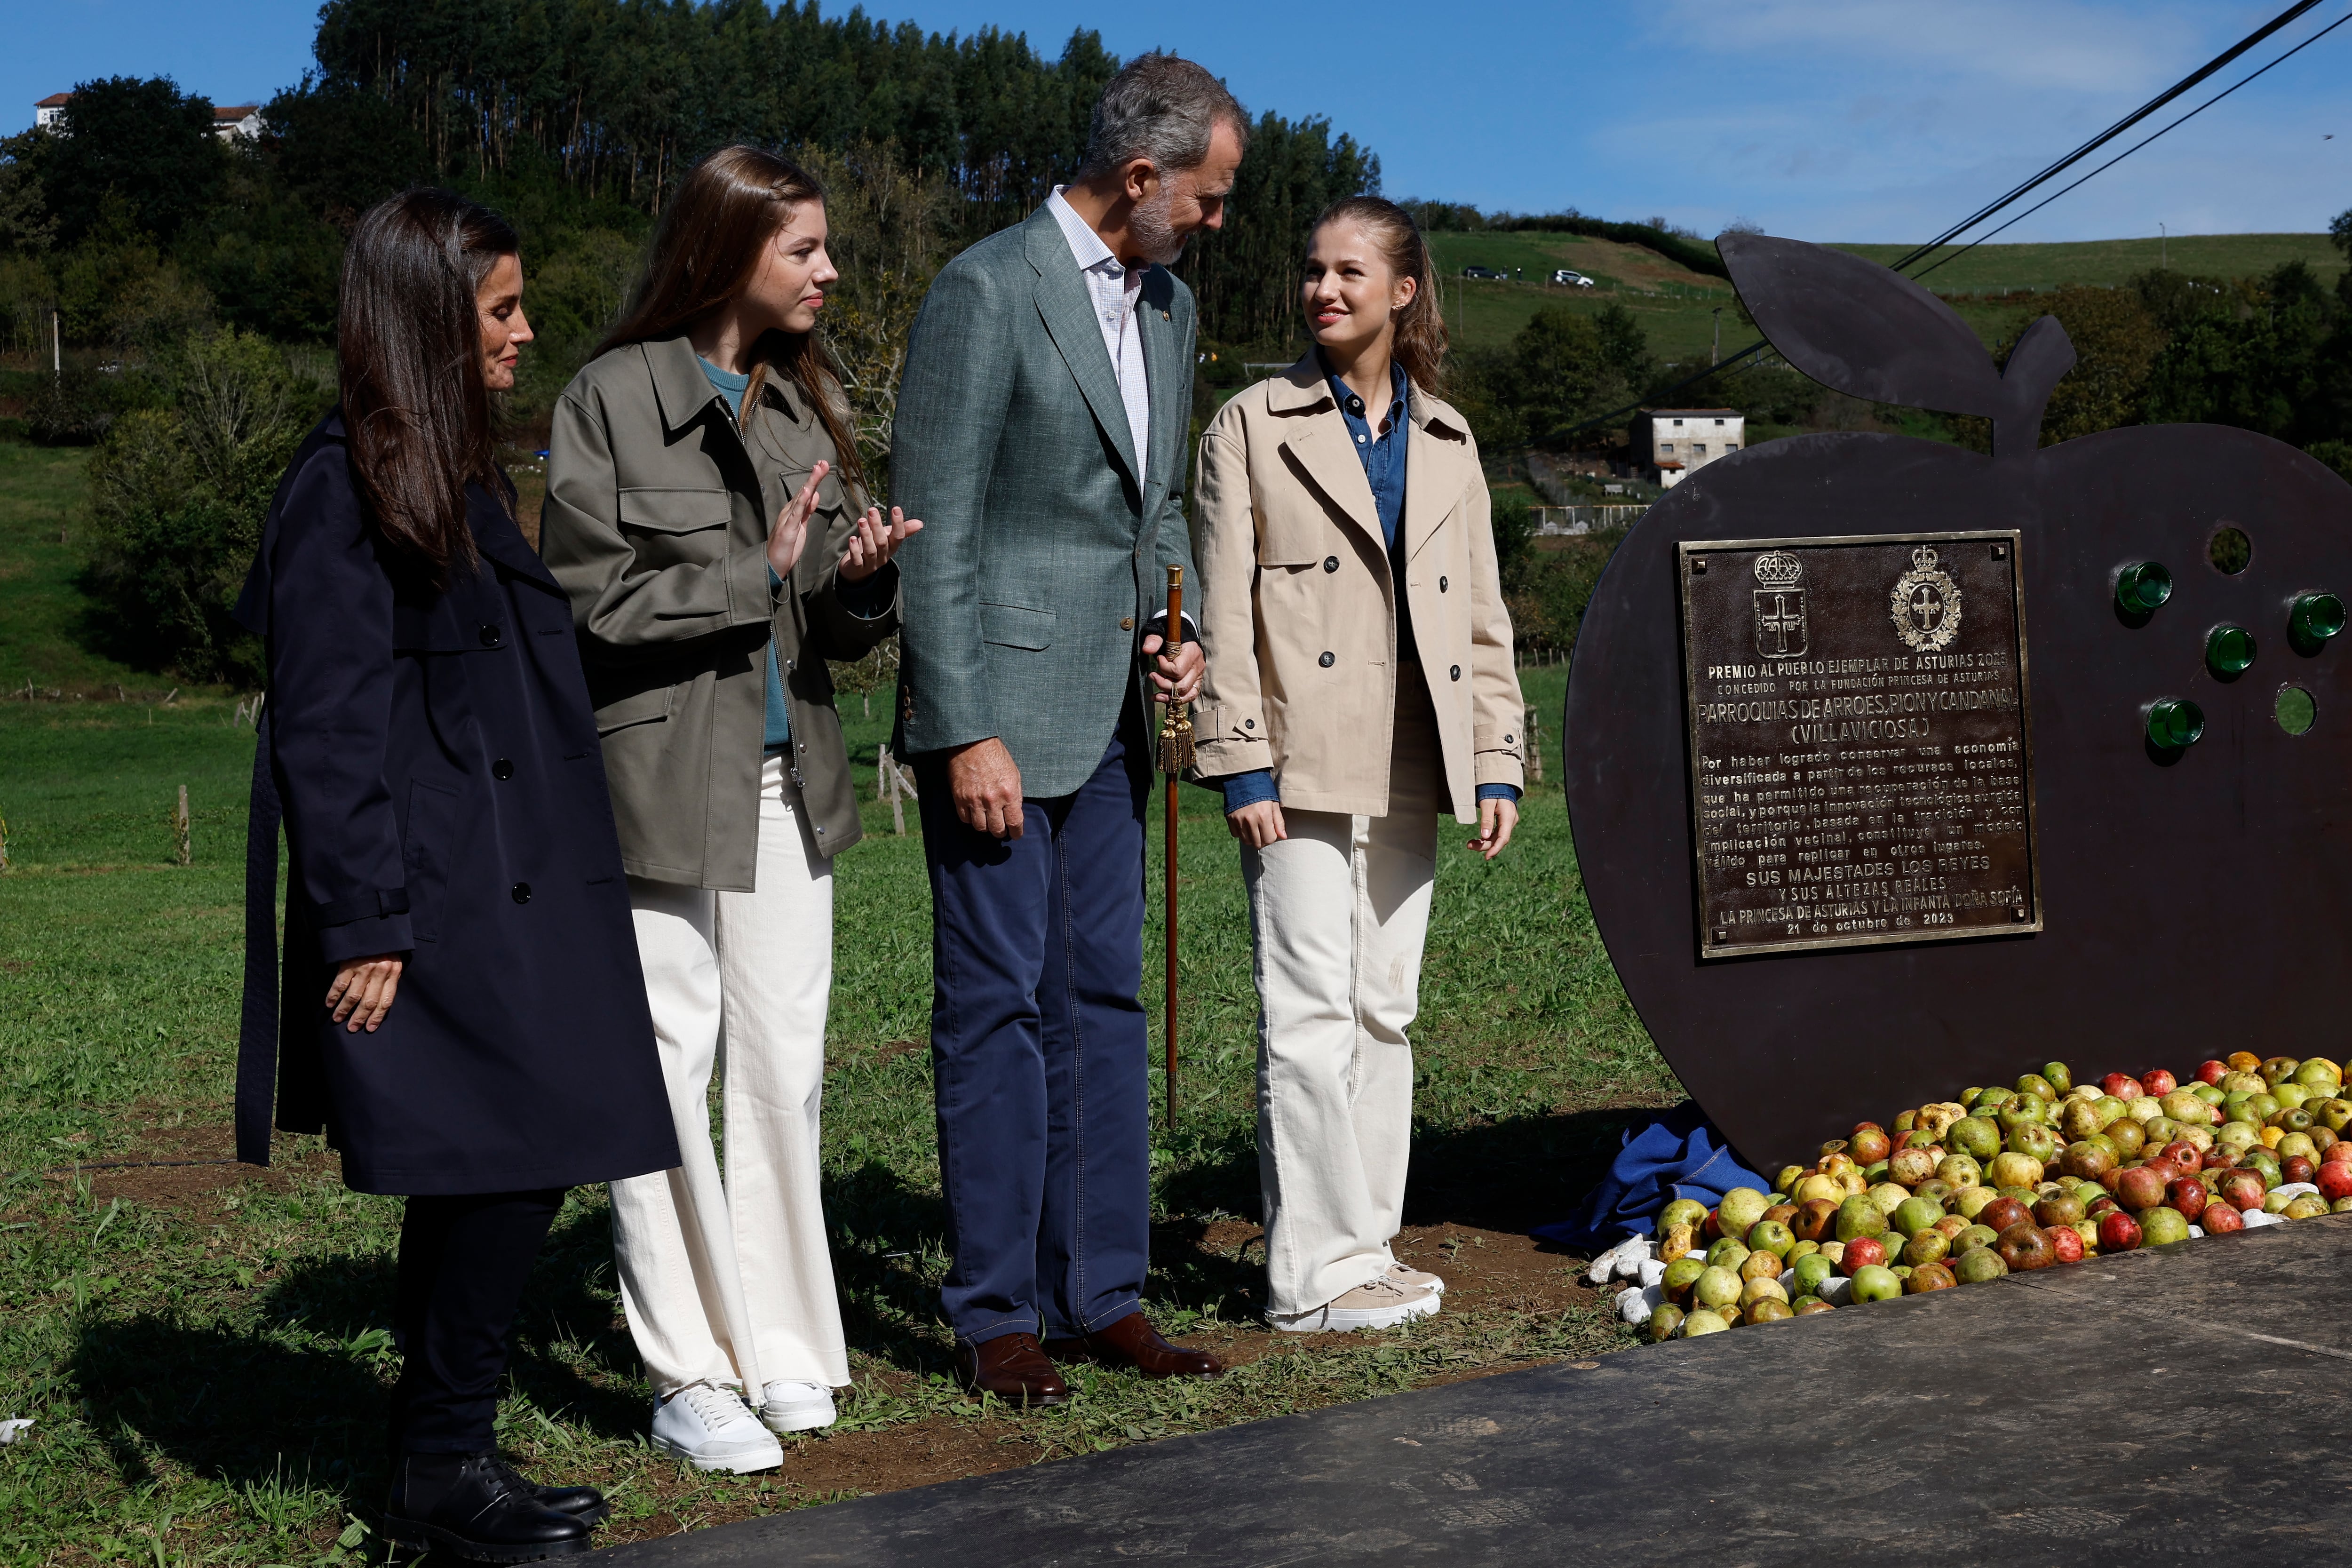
x,y
706,252
408,354
1421,326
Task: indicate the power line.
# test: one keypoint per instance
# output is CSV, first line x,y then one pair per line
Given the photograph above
x,y
2112,131
2201,74
2135,146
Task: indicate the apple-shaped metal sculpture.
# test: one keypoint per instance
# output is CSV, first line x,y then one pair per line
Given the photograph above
x,y
2188,800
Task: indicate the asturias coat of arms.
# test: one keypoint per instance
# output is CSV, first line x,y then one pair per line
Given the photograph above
x,y
1779,605
1925,603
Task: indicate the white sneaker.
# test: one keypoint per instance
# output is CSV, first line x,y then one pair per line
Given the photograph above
x,y
1377,1304
711,1428
1408,1277
796,1406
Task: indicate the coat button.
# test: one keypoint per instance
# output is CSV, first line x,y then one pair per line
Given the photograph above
x,y
1508,739
1441,584
490,634
1325,661
1127,623
1456,674
1331,563
522,892
502,770
1249,723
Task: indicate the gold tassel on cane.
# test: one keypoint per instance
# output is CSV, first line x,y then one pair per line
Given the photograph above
x,y
1176,732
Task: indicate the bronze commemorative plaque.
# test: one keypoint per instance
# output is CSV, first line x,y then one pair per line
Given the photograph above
x,y
1861,748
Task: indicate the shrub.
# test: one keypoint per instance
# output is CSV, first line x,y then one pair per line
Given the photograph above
x,y
177,496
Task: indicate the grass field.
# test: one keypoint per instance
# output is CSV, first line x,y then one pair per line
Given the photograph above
x,y
202,1348
40,505
1676,307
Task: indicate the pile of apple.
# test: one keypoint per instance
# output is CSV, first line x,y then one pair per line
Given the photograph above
x,y
2003,1180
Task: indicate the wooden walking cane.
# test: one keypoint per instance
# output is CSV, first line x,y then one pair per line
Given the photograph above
x,y
1175,757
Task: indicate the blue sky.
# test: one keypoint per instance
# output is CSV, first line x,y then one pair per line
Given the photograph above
x,y
1827,120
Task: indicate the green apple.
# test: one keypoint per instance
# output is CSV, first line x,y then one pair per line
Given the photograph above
x,y
1663,1322
2059,1075
1740,1209
1978,1265
1681,1274
1974,1136
1960,1171
1811,1272
1859,1217
2160,1227
1975,1236
1703,1321
1728,1252
1682,1211
1873,1282
1914,1215
1889,1197
1968,1200
1717,1286
2011,1169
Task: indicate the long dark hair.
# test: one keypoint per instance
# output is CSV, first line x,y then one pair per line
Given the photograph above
x,y
408,351
706,252
1421,326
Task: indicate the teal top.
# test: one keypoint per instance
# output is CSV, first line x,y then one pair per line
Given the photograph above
x,y
731,386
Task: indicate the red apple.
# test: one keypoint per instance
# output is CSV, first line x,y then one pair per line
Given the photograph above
x,y
1710,1229
2243,1189
2142,1187
2296,1168
2159,1083
2067,1243
2335,1180
2184,1157
2003,1212
2212,1072
2220,1157
2025,1246
2188,1196
2337,1153
2119,1232
1869,1145
1861,1253
2221,1219
2104,1205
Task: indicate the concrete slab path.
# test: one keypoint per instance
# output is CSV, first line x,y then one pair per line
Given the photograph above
x,y
2142,1408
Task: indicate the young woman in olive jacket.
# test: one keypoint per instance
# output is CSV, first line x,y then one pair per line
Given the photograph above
x,y
483,1041
1359,684
697,513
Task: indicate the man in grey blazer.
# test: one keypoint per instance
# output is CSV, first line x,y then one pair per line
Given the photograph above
x,y
1041,435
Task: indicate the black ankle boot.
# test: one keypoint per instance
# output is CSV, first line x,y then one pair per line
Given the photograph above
x,y
472,1506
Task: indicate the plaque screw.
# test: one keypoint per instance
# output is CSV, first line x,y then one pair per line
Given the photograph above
x,y
2000,552
1723,936
1698,564
2017,914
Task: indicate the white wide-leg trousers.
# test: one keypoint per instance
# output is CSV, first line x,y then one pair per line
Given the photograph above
x,y
1338,912
730,1280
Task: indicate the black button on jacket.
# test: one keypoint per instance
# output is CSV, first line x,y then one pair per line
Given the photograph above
x,y
519,1053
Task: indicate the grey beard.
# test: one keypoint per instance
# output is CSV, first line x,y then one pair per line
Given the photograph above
x,y
1154,235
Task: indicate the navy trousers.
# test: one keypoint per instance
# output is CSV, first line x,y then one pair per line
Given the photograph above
x,y
1040,1054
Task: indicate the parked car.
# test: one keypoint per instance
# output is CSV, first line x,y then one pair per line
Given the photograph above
x,y
1486,272
1571,278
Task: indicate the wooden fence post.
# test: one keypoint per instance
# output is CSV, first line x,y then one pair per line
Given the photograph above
x,y
180,820
1534,754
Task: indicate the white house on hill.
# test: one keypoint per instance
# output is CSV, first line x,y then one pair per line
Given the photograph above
x,y
239,120
1674,443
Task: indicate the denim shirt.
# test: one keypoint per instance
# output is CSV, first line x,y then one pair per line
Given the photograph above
x,y
1383,453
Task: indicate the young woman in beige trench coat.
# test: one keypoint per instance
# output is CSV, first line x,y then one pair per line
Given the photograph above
x,y
1360,683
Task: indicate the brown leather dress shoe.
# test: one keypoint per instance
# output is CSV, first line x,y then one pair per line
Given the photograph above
x,y
1010,1367
1133,1341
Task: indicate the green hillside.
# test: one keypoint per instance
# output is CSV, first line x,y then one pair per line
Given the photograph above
x,y
1676,306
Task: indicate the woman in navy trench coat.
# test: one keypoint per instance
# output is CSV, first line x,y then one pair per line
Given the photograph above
x,y
461,1009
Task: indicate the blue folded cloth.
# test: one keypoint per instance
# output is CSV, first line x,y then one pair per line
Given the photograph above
x,y
1680,1155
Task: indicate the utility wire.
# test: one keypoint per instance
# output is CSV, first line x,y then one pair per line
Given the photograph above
x,y
2201,74
2135,146
2112,131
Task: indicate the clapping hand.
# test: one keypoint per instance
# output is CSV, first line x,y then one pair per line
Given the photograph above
x,y
792,525
875,542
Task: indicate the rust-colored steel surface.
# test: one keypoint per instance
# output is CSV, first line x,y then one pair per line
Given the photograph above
x,y
2191,898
